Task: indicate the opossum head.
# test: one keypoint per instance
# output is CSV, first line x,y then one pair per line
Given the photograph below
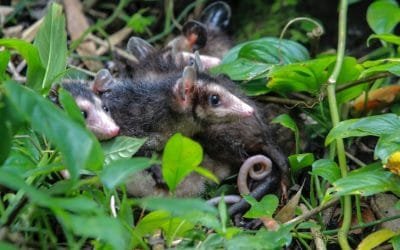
x,y
97,116
209,101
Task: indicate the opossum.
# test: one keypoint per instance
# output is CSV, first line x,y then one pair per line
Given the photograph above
x,y
97,116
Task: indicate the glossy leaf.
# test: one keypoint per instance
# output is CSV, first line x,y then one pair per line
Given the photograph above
x,y
389,38
367,181
117,172
51,41
264,208
375,239
299,161
107,229
121,147
30,53
383,16
45,118
243,69
70,107
327,169
181,156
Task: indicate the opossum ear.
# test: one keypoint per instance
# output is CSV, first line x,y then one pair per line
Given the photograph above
x,y
102,82
196,34
185,86
53,94
139,47
216,16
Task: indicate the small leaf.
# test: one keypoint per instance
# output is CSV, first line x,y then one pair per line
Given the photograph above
x,y
300,161
264,208
70,107
140,23
117,172
4,59
51,41
375,239
288,211
286,121
121,147
327,169
181,156
383,16
206,173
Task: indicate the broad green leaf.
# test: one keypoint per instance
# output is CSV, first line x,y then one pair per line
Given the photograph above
x,y
375,239
387,145
107,229
255,87
383,16
243,69
121,147
51,41
373,125
264,208
367,181
79,148
267,47
172,226
181,156
390,38
4,59
117,172
70,107
177,207
300,161
327,169
30,53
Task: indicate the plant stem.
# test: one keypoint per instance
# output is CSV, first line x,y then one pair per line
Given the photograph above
x,y
342,233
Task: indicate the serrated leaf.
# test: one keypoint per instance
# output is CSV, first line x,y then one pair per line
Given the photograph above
x,y
117,172
121,147
181,156
51,41
383,16
45,118
30,53
375,239
264,208
327,169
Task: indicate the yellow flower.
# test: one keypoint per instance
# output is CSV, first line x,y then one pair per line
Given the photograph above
x,y
393,163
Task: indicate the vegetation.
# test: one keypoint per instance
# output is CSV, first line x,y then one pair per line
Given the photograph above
x,y
39,208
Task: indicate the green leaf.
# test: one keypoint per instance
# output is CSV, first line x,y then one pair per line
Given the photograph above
x,y
7,246
390,38
287,121
140,23
256,87
300,161
181,156
264,208
30,53
79,148
387,145
373,125
51,41
117,172
206,173
107,229
243,69
383,16
327,169
177,207
121,147
5,133
375,239
70,107
4,59
396,242
78,204
391,65
367,181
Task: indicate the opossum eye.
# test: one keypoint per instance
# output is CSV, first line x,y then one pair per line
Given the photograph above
x,y
105,109
214,100
84,114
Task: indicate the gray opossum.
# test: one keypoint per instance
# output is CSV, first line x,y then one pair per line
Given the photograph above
x,y
97,116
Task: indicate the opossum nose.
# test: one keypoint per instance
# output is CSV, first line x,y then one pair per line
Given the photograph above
x,y
114,132
249,112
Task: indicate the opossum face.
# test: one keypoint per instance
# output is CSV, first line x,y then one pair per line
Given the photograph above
x,y
97,118
217,104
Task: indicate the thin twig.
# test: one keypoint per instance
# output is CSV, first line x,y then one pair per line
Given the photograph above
x,y
362,80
